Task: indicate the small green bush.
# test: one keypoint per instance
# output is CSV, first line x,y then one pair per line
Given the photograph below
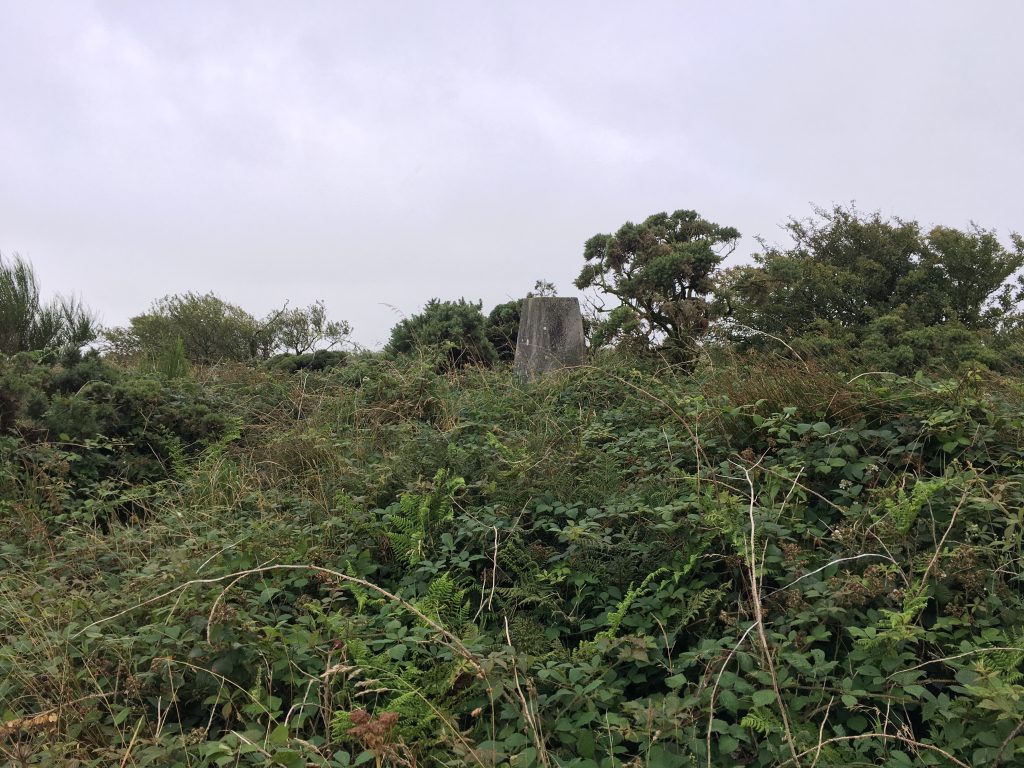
x,y
320,360
459,328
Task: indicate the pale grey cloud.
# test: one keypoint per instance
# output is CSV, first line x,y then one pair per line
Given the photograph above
x,y
372,153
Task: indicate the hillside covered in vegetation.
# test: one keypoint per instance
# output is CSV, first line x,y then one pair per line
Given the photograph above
x,y
776,520
757,563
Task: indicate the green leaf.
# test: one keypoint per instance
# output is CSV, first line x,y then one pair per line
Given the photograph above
x,y
763,697
660,757
727,744
279,736
676,681
728,700
397,652
527,757
857,723
585,743
289,758
966,676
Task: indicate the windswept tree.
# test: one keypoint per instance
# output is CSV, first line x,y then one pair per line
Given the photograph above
x,y
28,324
305,329
659,274
211,330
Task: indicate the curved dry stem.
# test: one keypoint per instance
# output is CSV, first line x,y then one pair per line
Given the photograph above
x,y
861,736
447,637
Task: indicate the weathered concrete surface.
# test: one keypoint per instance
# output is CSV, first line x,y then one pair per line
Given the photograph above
x,y
550,336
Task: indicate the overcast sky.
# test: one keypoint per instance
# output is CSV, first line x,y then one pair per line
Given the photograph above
x,y
382,153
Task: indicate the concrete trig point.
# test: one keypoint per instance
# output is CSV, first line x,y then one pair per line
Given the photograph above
x,y
550,336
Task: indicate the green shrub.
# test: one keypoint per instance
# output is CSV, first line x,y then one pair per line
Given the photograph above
x,y
320,360
459,329
503,329
614,565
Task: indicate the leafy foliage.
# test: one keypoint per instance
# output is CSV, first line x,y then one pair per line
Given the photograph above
x,y
503,329
320,360
385,564
660,274
458,327
898,297
211,330
301,330
27,324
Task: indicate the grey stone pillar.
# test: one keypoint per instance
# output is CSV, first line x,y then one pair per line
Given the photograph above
x,y
550,336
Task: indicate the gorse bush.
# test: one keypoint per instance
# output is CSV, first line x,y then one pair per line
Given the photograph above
x,y
462,332
93,425
458,327
503,329
760,564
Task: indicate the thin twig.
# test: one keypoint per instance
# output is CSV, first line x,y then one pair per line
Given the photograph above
x,y
954,658
447,636
945,535
714,688
821,731
755,590
860,736
131,744
1006,742
531,722
829,565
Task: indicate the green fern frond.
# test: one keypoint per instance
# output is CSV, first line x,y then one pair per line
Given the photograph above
x,y
413,522
761,720
700,602
901,512
615,617
1008,663
446,602
895,627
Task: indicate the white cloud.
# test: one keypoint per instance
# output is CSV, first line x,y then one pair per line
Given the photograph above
x,y
390,153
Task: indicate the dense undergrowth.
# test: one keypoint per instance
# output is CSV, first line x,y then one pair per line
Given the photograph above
x,y
756,564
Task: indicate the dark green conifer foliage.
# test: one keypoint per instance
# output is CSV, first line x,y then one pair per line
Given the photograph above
x,y
503,328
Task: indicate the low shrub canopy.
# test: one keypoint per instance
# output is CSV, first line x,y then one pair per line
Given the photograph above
x,y
885,293
459,327
759,565
792,555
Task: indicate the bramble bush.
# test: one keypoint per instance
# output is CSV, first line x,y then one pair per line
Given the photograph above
x,y
402,564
